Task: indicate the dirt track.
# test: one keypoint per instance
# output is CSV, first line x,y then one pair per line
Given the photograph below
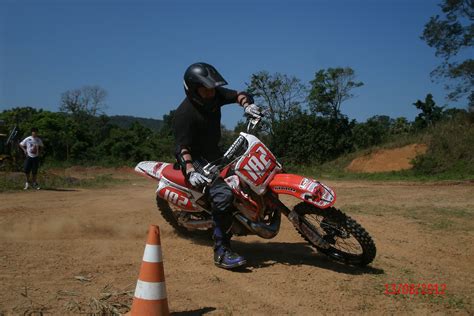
x,y
423,233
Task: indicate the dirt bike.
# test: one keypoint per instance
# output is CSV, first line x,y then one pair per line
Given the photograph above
x,y
9,150
257,180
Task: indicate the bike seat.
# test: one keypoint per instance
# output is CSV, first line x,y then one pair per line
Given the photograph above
x,y
175,176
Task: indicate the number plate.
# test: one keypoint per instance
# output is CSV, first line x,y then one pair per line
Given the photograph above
x,y
257,167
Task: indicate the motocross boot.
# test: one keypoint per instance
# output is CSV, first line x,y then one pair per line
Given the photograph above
x,y
224,257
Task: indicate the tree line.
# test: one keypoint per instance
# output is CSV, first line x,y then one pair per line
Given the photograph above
x,y
304,122
306,125
77,136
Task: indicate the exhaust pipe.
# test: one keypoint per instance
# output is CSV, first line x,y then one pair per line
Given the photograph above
x,y
200,224
261,229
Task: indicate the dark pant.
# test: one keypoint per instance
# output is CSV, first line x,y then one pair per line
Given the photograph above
x,y
221,200
31,165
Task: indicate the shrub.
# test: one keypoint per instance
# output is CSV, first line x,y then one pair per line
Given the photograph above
x,y
450,148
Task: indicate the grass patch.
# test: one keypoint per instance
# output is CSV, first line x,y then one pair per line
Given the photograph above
x,y
447,301
442,218
443,212
436,218
13,181
327,172
367,209
54,164
401,140
450,147
335,170
442,224
450,301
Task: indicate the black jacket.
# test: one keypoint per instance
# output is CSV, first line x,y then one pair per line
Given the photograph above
x,y
198,130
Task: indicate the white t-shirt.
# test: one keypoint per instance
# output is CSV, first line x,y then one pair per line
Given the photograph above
x,y
32,146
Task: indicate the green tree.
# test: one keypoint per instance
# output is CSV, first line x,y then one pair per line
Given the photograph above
x,y
240,127
400,126
85,138
430,112
164,147
19,116
227,138
373,132
452,113
168,124
280,94
330,88
51,126
307,138
450,35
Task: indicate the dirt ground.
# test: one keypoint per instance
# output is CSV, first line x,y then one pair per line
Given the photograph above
x,y
79,251
81,172
384,160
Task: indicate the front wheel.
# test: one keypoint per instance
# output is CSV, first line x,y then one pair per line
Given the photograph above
x,y
348,241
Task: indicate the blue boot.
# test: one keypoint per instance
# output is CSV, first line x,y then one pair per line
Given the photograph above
x,y
224,257
227,259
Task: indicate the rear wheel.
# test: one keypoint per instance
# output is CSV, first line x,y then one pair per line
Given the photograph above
x,y
349,241
175,216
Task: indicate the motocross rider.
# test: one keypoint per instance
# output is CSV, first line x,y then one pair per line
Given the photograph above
x,y
197,130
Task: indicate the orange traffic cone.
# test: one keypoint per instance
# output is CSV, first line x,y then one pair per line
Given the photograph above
x,y
150,294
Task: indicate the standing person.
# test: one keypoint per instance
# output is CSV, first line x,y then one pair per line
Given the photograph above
x,y
197,130
32,147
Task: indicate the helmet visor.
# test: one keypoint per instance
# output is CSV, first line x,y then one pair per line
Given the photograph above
x,y
211,79
205,75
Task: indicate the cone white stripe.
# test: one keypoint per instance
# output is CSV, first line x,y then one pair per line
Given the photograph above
x,y
150,290
152,253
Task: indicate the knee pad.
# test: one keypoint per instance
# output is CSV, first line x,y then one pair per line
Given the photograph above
x,y
221,199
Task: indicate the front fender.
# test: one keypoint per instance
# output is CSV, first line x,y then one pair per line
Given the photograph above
x,y
308,190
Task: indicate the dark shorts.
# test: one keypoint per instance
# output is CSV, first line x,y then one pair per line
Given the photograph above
x,y
31,165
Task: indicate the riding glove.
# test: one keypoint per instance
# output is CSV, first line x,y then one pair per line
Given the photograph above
x,y
197,179
253,111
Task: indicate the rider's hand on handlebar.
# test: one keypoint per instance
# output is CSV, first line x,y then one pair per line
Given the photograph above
x,y
197,179
253,111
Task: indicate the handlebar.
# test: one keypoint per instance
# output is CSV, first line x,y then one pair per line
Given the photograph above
x,y
253,123
212,170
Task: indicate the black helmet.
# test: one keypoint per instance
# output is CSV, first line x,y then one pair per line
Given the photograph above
x,y
201,75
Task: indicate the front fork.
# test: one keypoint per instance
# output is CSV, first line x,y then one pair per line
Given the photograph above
x,y
299,223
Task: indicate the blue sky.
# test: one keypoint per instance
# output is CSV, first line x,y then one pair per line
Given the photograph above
x,y
138,50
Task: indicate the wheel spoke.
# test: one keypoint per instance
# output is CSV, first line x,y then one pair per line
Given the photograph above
x,y
352,247
347,240
348,245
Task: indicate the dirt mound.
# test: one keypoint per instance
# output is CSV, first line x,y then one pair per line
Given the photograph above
x,y
387,159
